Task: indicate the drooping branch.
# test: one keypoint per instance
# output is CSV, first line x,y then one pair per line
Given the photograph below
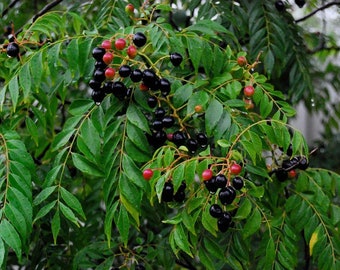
x,y
317,10
12,4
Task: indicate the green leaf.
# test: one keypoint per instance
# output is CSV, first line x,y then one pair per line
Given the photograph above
x,y
25,80
205,258
213,115
194,49
61,139
55,226
43,195
2,251
181,239
133,173
72,202
244,209
80,106
123,224
44,210
136,117
198,98
72,54
10,236
68,213
91,137
13,88
253,224
18,221
32,129
182,94
86,166
208,222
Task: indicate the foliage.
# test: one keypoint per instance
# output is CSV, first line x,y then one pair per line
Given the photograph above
x,y
72,190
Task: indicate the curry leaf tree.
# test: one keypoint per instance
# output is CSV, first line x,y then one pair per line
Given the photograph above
x,y
133,139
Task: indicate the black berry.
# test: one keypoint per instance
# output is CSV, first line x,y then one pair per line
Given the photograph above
x,y
12,49
139,39
179,196
168,121
168,192
98,53
303,163
281,174
211,185
215,211
164,86
179,138
152,102
119,90
176,59
224,222
158,138
99,75
221,181
108,87
192,145
202,139
97,96
280,6
95,85
227,195
149,78
136,75
100,64
157,125
237,182
124,71
300,3
159,113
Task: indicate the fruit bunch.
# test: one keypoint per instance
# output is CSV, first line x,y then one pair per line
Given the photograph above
x,y
289,166
227,187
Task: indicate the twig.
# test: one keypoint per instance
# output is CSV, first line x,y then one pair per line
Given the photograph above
x,y
317,10
12,4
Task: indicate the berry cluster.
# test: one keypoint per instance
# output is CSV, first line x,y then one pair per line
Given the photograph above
x,y
168,194
105,79
289,166
226,193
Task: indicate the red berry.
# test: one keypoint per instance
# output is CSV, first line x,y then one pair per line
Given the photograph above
x,y
242,61
292,174
131,51
129,9
106,44
143,87
235,168
170,136
198,108
110,73
120,43
249,104
147,174
248,91
107,58
207,174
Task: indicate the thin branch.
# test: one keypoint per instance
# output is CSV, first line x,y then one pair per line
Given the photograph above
x,y
317,10
42,12
12,4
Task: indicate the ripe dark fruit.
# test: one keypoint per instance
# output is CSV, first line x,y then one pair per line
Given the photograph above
x,y
124,71
211,185
192,145
147,174
139,39
281,174
159,138
120,44
136,75
159,113
98,53
99,75
207,174
290,164
303,163
97,96
179,196
224,222
149,77
164,86
168,121
235,168
227,195
300,3
280,6
179,138
221,181
248,91
108,87
12,49
157,125
176,59
119,90
168,192
202,139
95,85
152,102
215,211
100,64
237,182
